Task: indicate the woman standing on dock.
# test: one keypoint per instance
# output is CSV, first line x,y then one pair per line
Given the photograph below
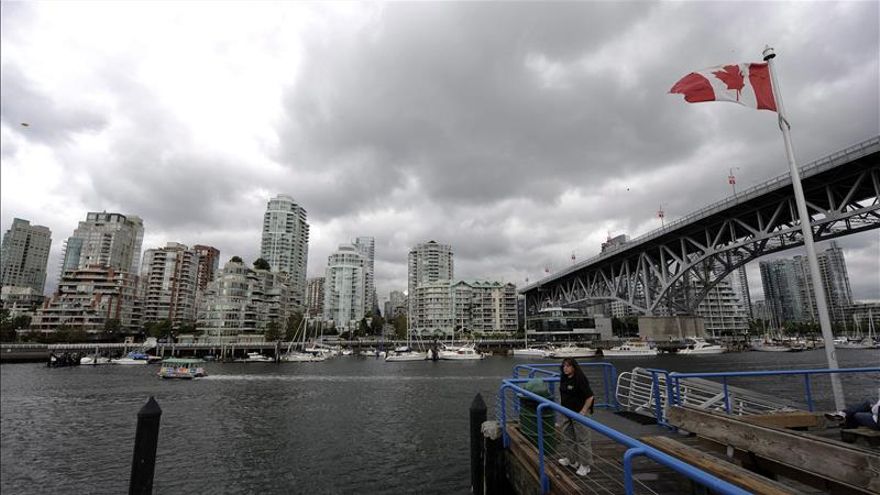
x,y
575,394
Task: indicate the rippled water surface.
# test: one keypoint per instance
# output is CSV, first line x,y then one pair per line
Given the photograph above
x,y
348,425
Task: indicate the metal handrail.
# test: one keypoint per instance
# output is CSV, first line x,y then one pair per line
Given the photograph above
x,y
674,393
635,447
807,170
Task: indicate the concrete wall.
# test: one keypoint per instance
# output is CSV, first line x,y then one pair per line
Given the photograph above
x,y
671,327
603,327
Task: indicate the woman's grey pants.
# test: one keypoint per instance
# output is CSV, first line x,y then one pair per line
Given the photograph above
x,y
576,445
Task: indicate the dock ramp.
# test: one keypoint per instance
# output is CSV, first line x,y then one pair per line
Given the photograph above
x,y
637,392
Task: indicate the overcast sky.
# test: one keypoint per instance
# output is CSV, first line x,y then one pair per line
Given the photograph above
x,y
519,133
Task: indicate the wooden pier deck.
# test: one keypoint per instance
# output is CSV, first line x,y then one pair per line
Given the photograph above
x,y
772,454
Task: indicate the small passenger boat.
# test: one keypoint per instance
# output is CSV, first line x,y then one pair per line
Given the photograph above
x,y
184,368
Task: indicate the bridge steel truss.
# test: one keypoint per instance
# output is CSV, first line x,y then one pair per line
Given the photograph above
x,y
670,271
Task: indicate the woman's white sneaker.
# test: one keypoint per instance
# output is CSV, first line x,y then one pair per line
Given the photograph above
x,y
583,470
564,462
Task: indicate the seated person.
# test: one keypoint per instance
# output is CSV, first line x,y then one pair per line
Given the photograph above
x,y
862,414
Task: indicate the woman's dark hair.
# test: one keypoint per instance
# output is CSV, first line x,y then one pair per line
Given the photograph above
x,y
578,372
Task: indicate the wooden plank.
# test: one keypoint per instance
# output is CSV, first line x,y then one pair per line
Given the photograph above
x,y
527,454
858,468
796,419
718,467
863,435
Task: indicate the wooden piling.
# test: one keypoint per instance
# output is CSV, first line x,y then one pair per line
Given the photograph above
x,y
146,440
478,416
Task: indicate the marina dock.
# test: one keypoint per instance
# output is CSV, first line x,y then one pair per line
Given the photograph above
x,y
678,444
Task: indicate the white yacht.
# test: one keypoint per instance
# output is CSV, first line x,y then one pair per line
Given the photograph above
x,y
532,352
571,351
405,355
463,353
770,346
255,357
302,357
697,345
630,349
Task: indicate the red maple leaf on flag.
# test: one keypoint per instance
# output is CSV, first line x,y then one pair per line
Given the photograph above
x,y
732,77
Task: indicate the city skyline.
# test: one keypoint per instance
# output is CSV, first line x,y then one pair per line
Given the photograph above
x,y
527,135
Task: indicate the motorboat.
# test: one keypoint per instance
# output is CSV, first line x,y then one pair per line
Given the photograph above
x,y
93,360
571,351
255,357
302,357
770,346
134,357
463,353
406,355
865,343
182,368
697,345
630,349
532,352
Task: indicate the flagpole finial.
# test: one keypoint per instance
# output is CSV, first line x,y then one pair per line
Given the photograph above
x,y
768,53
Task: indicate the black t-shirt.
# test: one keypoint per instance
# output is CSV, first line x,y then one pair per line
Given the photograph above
x,y
574,391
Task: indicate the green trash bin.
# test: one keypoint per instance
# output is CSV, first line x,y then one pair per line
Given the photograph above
x,y
528,414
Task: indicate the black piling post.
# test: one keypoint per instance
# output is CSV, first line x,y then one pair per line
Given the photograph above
x,y
478,417
146,439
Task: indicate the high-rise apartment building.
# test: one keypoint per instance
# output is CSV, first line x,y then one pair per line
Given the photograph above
x,y
614,243
367,247
446,307
88,298
835,279
105,239
430,309
285,244
722,309
397,304
739,281
24,255
429,262
788,287
781,280
344,288
169,281
315,297
484,306
209,263
241,302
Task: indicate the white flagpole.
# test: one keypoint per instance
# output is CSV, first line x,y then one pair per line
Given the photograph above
x,y
806,229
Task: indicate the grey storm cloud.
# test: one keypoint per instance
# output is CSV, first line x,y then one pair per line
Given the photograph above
x,y
47,118
518,132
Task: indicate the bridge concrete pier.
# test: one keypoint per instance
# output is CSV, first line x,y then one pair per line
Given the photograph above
x,y
661,328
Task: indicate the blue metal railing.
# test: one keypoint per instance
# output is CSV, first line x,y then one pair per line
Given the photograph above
x,y
609,377
635,447
674,392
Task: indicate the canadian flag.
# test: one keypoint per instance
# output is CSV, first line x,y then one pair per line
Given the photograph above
x,y
746,84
